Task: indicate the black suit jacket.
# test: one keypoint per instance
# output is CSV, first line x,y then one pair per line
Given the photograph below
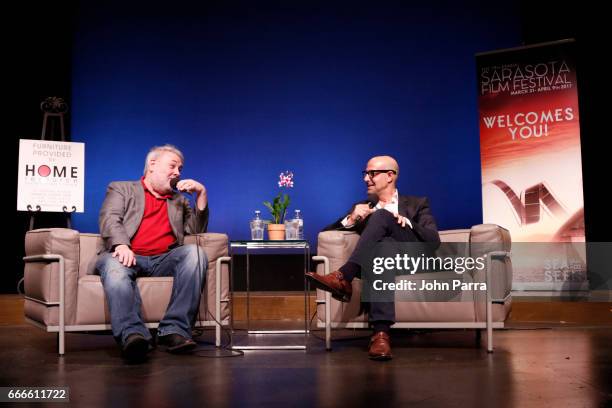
x,y
416,209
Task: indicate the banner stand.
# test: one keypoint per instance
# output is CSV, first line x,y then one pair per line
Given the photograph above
x,y
531,161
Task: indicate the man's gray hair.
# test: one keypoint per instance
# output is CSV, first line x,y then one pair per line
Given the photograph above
x,y
157,150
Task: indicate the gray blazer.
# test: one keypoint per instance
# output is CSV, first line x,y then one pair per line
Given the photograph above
x,y
123,208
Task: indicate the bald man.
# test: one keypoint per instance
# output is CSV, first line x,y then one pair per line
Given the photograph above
x,y
394,217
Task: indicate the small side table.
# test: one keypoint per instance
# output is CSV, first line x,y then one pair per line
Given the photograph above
x,y
248,247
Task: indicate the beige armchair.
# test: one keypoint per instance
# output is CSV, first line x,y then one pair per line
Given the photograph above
x,y
63,293
475,309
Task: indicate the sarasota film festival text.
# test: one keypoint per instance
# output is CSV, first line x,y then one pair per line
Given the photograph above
x,y
403,264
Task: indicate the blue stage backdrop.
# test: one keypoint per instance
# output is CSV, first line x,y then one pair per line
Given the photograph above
x,y
250,89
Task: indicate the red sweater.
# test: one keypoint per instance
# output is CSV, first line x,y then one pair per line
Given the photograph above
x,y
154,235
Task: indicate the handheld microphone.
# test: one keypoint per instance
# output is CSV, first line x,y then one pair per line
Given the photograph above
x,y
173,183
372,200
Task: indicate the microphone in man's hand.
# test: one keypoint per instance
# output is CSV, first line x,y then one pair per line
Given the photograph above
x,y
372,200
173,183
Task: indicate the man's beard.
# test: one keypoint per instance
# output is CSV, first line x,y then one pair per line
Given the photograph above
x,y
161,186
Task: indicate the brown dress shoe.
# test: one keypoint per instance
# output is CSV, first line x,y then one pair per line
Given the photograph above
x,y
380,347
335,283
176,344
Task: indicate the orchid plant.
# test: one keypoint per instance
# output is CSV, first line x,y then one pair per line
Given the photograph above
x,y
278,206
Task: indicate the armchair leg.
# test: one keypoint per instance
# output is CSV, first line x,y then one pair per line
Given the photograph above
x,y
489,305
489,327
61,342
325,260
62,309
218,298
328,321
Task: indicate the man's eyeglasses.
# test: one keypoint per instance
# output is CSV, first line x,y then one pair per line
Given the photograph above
x,y
372,173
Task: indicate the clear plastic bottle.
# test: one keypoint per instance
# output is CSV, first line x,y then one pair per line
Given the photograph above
x,y
297,217
257,227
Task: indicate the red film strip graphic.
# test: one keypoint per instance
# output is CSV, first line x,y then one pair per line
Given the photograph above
x,y
528,208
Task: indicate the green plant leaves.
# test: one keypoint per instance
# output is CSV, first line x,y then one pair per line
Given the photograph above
x,y
278,207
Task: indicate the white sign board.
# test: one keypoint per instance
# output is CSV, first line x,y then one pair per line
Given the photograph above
x,y
51,176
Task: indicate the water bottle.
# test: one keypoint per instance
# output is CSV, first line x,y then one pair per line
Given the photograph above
x,y
297,217
257,227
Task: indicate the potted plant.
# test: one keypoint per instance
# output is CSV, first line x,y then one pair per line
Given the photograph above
x,y
278,208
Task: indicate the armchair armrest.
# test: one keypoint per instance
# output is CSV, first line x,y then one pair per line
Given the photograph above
x,y
337,246
494,243
214,244
42,277
216,299
51,272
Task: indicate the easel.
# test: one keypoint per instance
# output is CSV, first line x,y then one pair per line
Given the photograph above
x,y
53,109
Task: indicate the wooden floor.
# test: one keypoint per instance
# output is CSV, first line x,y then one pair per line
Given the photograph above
x,y
552,353
558,367
290,306
11,310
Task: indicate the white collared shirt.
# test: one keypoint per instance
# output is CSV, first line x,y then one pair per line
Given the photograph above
x,y
392,206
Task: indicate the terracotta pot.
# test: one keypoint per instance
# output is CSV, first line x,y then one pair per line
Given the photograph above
x,y
276,232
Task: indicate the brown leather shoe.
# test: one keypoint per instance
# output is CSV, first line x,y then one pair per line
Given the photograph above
x,y
176,344
335,283
380,347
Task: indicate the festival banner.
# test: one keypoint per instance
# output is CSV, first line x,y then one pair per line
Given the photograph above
x,y
531,161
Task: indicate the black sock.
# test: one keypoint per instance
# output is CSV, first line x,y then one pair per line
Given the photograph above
x,y
381,326
350,270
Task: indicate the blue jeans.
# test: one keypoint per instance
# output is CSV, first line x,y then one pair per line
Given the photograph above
x,y
123,296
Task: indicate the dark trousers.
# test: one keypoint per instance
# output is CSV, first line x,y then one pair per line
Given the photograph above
x,y
381,226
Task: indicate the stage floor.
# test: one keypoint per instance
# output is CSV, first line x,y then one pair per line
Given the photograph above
x,y
530,367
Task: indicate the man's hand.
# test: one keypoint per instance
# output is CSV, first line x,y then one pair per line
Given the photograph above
x,y
360,213
190,186
402,220
125,255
